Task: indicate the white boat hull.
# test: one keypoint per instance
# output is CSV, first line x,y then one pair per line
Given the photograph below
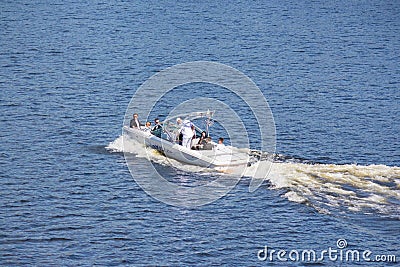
x,y
204,158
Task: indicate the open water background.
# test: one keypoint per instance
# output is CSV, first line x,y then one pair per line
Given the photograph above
x,y
329,70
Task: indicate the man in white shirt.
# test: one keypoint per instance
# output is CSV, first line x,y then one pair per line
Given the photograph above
x,y
220,145
187,133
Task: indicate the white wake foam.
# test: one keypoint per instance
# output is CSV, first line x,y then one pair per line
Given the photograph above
x,y
353,187
324,186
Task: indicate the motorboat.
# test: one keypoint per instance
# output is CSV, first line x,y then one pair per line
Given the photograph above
x,y
210,155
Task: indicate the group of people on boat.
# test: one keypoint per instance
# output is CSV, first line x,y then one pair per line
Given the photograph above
x,y
156,129
186,135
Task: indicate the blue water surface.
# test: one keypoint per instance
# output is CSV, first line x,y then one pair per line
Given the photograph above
x,y
68,69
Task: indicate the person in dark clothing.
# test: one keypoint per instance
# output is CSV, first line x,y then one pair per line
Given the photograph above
x,y
204,142
135,123
157,129
180,138
202,139
179,135
207,145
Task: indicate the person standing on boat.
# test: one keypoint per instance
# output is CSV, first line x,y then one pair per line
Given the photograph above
x,y
157,129
179,135
135,123
187,133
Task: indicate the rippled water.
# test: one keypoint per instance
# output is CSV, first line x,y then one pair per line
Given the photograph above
x,y
330,72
